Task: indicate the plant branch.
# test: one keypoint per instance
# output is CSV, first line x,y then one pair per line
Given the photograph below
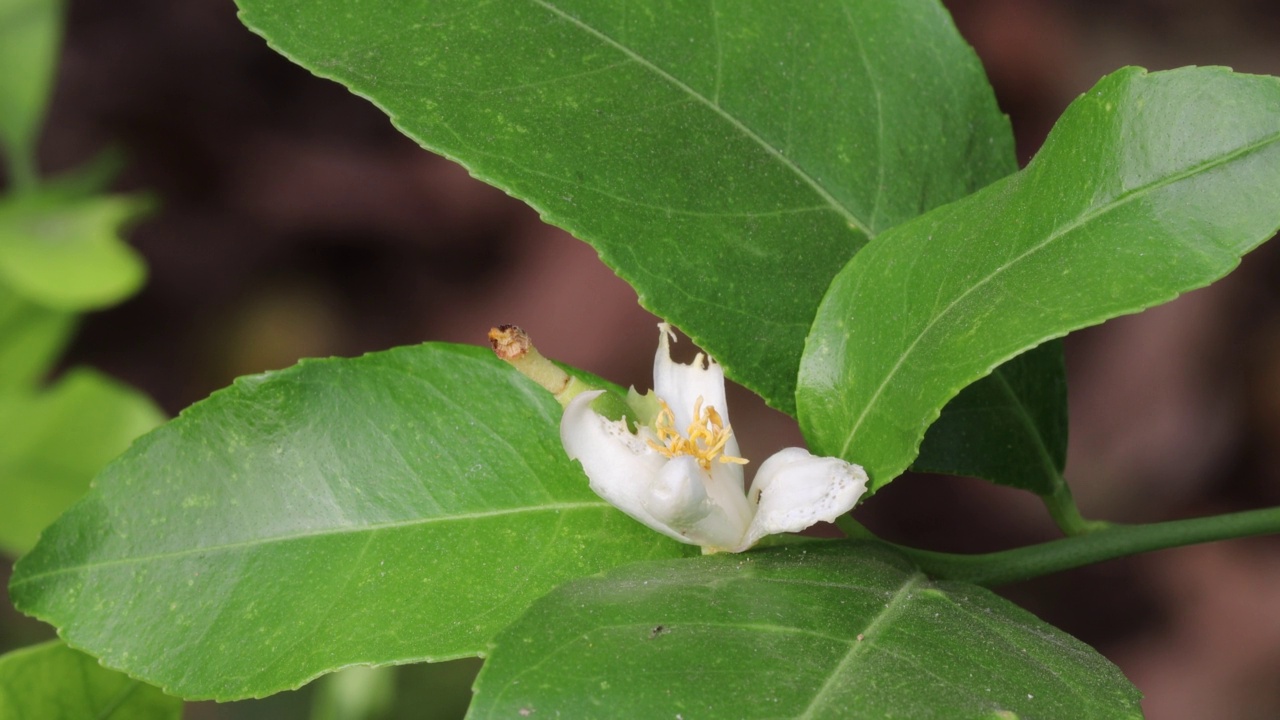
x,y
1107,543
1066,514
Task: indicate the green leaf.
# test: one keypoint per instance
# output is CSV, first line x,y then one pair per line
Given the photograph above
x,y
31,338
29,35
94,177
65,252
55,441
1149,186
397,507
657,136
1009,427
817,631
51,681
725,159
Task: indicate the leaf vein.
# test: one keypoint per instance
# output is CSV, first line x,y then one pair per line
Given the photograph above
x,y
776,153
116,562
1119,201
891,611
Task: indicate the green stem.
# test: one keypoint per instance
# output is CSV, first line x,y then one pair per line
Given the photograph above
x,y
853,529
1065,513
1114,541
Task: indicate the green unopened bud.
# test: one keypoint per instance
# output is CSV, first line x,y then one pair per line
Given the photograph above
x,y
643,409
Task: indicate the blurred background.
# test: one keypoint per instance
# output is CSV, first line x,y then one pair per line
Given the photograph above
x,y
295,221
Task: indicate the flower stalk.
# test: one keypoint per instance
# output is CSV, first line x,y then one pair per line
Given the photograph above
x,y
1109,543
512,345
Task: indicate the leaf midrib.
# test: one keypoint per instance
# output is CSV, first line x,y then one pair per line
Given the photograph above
x,y
891,611
1120,201
801,173
1051,469
257,542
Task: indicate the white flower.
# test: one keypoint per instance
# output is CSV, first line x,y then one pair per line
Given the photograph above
x,y
681,473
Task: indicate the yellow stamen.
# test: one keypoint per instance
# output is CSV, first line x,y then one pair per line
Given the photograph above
x,y
704,440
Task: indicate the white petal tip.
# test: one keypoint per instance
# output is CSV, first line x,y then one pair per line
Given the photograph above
x,y
795,489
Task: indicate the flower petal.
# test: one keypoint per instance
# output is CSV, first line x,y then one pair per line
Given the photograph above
x,y
681,385
795,489
621,467
692,502
678,498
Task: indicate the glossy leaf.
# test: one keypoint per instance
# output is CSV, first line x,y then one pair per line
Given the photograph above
x,y
29,35
835,630
725,159
1150,185
666,191
1009,427
65,252
51,681
31,338
397,507
55,441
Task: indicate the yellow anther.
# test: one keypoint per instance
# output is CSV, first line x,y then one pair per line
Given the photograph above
x,y
704,440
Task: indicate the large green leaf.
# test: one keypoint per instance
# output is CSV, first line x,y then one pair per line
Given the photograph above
x,y
65,252
397,507
51,681
29,34
837,630
725,159
31,337
1149,186
55,441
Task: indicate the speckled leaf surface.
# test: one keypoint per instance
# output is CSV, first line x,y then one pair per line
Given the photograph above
x,y
726,159
830,630
396,507
1149,185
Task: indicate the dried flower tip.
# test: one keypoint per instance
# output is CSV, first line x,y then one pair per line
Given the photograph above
x,y
509,342
512,345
